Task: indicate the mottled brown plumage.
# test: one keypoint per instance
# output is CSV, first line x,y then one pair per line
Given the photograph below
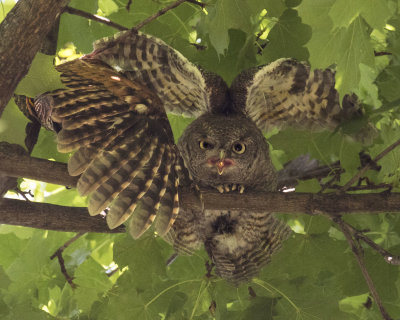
x,y
113,115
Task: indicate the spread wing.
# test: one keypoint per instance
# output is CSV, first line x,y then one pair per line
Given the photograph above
x,y
183,87
287,93
125,150
113,114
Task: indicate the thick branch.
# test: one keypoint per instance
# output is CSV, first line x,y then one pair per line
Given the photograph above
x,y
293,202
22,165
22,33
14,163
52,217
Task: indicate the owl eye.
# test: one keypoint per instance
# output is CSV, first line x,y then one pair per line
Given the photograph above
x,y
205,145
239,148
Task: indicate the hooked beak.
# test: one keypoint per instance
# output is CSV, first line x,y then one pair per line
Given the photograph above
x,y
220,167
221,163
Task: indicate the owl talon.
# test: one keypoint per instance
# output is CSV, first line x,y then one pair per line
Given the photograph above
x,y
241,189
220,188
227,187
234,187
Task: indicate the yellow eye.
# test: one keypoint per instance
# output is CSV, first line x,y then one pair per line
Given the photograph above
x,y
205,145
239,148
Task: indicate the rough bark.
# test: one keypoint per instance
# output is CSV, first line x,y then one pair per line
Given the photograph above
x,y
17,165
52,217
22,33
76,219
15,162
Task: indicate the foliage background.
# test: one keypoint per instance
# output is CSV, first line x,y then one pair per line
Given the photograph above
x,y
315,275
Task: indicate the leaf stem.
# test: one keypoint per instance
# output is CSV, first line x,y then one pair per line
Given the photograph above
x,y
263,284
169,288
201,292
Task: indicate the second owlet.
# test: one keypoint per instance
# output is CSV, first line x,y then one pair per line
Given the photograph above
x,y
113,114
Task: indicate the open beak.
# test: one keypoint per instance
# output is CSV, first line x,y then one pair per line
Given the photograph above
x,y
220,167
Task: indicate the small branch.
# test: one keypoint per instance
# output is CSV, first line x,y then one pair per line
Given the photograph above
x,y
382,53
158,14
360,173
60,258
95,17
128,5
388,257
197,3
15,163
358,253
52,217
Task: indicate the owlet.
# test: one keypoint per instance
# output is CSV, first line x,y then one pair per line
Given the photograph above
x,y
113,115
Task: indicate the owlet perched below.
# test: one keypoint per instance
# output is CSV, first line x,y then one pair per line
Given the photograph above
x,y
113,114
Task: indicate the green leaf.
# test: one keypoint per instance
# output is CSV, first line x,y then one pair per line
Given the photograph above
x,y
108,6
5,7
42,77
92,282
225,15
287,38
345,47
375,12
12,125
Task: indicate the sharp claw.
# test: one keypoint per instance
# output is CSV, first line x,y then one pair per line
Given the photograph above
x,y
241,189
220,188
226,186
234,187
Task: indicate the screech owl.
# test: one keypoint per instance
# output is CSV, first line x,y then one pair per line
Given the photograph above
x,y
113,114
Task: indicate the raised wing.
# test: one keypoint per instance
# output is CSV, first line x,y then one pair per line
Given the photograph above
x,y
182,87
125,151
286,93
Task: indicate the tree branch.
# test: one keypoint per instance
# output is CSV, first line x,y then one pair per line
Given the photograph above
x,y
94,17
15,163
60,259
22,165
30,21
52,217
359,255
160,13
364,169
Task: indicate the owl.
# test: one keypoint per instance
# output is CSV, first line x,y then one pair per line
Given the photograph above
x,y
113,116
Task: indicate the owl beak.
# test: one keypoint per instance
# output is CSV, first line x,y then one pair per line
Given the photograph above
x,y
220,167
221,162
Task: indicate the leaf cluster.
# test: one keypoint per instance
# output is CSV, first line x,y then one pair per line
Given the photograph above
x,y
315,275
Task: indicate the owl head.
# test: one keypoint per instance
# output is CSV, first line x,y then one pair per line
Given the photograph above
x,y
220,149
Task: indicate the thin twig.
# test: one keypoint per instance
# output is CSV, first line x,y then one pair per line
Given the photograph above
x,y
358,253
361,172
158,14
388,257
197,3
94,17
60,258
24,193
382,53
128,5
